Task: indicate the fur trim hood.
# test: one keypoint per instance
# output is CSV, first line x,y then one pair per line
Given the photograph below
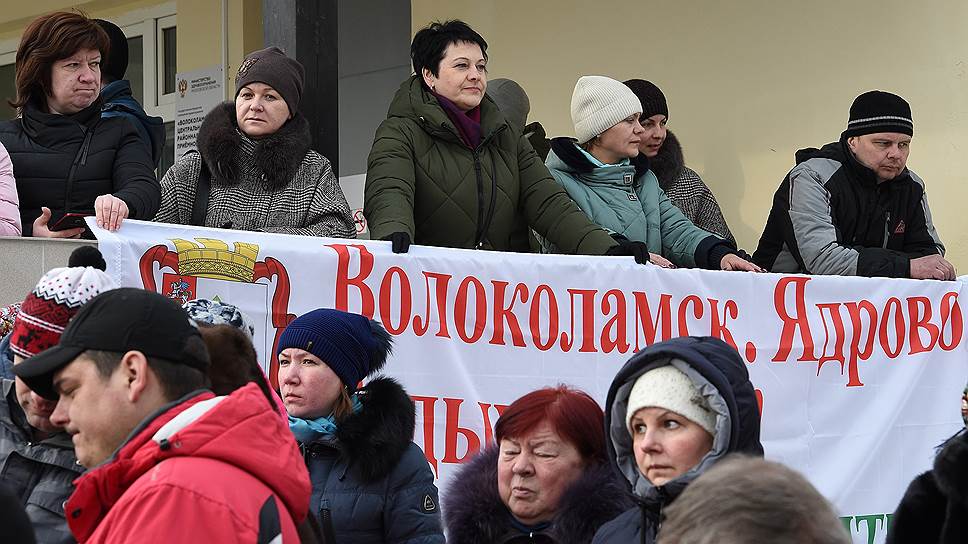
x,y
474,513
669,163
374,439
278,155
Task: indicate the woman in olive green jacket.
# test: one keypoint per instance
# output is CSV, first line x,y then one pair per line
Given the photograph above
x,y
446,168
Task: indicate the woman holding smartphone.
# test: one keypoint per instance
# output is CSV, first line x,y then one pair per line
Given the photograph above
x,y
68,161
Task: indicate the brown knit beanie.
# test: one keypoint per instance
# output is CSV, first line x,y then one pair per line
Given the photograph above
x,y
272,67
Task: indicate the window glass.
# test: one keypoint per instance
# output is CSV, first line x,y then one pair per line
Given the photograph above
x,y
169,59
136,68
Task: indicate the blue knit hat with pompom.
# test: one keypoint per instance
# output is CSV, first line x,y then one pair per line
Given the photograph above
x,y
351,345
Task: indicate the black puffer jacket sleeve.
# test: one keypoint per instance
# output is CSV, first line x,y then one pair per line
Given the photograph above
x,y
133,177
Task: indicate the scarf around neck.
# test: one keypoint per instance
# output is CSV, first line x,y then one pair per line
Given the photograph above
x,y
468,123
310,430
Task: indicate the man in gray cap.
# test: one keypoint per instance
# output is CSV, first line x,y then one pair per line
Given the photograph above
x,y
852,208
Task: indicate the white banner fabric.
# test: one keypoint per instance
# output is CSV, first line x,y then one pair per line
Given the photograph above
x,y
859,378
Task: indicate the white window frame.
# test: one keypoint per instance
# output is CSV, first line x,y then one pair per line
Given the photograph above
x,y
160,25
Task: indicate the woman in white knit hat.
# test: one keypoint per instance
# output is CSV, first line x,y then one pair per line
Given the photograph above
x,y
675,409
604,174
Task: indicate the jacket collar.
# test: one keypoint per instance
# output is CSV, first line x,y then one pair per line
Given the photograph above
x,y
115,90
227,152
565,155
414,101
38,124
198,425
840,152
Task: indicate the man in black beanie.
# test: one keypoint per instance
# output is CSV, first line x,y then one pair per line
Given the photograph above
x,y
116,96
852,208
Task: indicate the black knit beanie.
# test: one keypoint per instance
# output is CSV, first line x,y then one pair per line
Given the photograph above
x,y
115,63
272,67
651,97
879,111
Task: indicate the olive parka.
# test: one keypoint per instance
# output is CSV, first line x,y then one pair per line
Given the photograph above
x,y
423,180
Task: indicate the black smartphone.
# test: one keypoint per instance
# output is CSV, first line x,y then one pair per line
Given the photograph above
x,y
70,221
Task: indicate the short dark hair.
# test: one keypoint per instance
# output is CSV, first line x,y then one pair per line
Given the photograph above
x,y
234,360
749,499
177,379
46,40
430,43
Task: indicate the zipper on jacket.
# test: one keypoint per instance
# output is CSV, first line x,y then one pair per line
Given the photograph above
x,y
489,213
479,237
79,159
326,525
887,228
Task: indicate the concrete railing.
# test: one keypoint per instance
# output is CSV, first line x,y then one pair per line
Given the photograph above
x,y
24,260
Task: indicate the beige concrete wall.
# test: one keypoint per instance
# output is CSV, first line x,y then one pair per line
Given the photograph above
x,y
200,37
199,26
15,16
749,82
25,260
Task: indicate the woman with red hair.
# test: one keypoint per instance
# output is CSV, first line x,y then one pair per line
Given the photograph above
x,y
547,479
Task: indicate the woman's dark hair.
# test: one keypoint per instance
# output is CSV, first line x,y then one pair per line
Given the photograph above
x,y
46,40
234,360
429,44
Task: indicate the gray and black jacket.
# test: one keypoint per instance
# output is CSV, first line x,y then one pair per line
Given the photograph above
x,y
40,473
831,216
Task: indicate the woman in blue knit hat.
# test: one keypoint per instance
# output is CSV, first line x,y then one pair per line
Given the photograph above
x,y
371,483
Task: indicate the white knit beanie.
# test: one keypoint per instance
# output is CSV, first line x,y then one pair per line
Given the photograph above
x,y
669,388
598,104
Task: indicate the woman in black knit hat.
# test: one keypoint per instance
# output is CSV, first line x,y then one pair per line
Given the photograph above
x,y
254,169
371,483
680,183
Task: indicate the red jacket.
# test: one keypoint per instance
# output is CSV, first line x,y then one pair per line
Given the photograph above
x,y
210,470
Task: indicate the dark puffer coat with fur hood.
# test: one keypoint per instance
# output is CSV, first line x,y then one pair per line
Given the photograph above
x,y
371,483
935,506
270,184
475,514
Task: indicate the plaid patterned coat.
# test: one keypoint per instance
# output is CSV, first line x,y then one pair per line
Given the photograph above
x,y
274,184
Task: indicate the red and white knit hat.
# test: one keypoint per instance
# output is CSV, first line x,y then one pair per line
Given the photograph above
x,y
47,309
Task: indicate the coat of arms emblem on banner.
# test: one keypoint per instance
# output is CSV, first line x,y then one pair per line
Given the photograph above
x,y
209,268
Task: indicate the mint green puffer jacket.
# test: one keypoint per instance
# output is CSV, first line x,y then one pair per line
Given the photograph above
x,y
627,200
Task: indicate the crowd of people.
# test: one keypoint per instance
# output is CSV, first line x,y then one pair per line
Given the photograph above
x,y
453,165
127,417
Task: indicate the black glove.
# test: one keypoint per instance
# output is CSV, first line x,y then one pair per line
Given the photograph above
x,y
627,247
400,241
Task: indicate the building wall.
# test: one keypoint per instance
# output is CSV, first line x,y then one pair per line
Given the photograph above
x,y
748,83
199,26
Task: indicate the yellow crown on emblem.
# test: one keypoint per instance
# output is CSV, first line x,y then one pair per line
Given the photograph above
x,y
211,258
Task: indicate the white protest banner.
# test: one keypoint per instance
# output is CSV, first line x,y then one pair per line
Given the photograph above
x,y
859,378
198,92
